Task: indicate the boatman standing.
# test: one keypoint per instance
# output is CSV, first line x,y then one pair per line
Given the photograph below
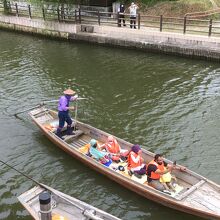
x,y
63,108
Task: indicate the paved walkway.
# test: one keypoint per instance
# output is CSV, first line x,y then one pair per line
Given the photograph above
x,y
147,39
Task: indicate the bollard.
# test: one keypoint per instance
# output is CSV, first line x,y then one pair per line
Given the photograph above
x,y
29,11
45,206
161,23
16,8
210,27
99,20
184,25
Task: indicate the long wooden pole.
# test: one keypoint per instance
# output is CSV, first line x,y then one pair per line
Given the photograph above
x,y
76,106
41,104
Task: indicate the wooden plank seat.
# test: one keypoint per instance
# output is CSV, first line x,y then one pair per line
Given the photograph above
x,y
39,110
76,134
53,124
191,190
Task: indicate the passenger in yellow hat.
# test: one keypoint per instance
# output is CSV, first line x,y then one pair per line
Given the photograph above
x,y
63,108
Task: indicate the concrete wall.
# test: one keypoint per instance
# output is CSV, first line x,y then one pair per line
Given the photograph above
x,y
144,39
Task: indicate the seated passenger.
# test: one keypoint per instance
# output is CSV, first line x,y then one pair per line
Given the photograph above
x,y
155,169
97,154
135,161
114,149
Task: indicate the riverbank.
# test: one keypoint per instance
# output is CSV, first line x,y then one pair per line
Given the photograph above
x,y
147,39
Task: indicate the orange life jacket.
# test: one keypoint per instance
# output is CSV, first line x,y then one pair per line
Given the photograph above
x,y
132,163
154,175
113,148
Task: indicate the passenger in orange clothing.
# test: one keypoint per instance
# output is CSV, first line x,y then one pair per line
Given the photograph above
x,y
135,161
156,168
114,149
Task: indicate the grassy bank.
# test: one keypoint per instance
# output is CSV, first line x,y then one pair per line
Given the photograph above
x,y
175,8
217,2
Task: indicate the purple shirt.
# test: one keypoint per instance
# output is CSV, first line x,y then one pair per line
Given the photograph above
x,y
63,102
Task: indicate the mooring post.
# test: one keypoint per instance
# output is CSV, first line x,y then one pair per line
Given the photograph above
x,y
139,20
99,22
161,23
43,11
75,16
45,206
118,20
210,27
80,16
184,25
58,13
29,11
16,8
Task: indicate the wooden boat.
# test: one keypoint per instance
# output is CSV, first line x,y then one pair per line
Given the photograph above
x,y
195,194
63,206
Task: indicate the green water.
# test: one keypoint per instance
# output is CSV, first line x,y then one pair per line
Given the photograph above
x,y
168,105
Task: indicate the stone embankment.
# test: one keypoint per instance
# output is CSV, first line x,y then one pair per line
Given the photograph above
x,y
146,39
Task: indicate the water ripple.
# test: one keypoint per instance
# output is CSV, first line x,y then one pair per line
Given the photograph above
x,y
166,104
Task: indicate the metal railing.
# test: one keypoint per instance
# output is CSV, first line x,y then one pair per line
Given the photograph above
x,y
210,27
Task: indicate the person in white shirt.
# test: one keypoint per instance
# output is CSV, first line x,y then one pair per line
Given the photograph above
x,y
133,14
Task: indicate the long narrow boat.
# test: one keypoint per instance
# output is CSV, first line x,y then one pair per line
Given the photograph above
x,y
62,206
194,193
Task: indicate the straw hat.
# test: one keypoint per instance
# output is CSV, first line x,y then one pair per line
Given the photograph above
x,y
69,92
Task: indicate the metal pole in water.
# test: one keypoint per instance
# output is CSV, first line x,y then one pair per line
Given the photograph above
x,y
76,106
45,206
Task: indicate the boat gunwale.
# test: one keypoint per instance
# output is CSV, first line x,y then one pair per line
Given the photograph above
x,y
141,189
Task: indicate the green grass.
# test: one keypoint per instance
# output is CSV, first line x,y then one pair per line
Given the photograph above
x,y
217,2
177,8
153,2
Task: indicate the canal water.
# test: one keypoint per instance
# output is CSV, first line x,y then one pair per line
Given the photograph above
x,y
167,104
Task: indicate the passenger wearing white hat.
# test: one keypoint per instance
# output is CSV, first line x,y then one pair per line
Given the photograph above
x,y
63,108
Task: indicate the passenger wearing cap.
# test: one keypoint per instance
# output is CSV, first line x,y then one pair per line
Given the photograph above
x,y
63,108
97,154
133,14
135,161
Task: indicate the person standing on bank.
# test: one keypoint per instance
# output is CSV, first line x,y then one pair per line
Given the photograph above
x,y
133,14
63,108
121,16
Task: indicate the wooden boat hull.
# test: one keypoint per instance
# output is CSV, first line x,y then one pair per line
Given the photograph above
x,y
193,184
63,206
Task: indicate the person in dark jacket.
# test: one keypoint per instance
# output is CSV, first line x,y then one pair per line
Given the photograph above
x,y
121,16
